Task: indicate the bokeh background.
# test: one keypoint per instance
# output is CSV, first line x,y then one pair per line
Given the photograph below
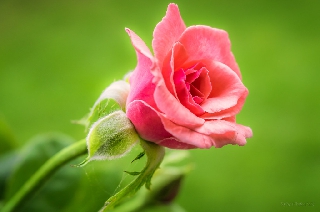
x,y
56,57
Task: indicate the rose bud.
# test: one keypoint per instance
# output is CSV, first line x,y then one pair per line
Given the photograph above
x,y
110,137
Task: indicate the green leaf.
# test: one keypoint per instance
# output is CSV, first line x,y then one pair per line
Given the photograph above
x,y
59,189
7,163
89,186
7,154
98,182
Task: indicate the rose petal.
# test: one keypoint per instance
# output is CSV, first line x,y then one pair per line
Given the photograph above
x,y
174,143
225,132
146,121
179,79
227,90
184,95
174,58
169,105
215,133
187,135
196,93
202,83
149,126
139,44
244,130
167,32
203,42
142,91
232,111
197,99
192,75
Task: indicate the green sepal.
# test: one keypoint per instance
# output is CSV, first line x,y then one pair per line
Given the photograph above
x,y
132,173
165,186
141,154
155,155
113,98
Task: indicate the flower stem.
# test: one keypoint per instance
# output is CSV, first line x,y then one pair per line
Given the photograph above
x,y
155,155
53,164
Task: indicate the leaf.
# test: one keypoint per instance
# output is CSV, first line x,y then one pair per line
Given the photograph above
x,y
7,154
59,189
7,163
99,181
70,186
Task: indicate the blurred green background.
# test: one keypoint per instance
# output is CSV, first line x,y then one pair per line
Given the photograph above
x,y
56,57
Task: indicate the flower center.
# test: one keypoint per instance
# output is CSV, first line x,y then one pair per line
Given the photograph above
x,y
192,87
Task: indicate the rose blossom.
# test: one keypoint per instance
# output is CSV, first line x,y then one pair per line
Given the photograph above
x,y
186,95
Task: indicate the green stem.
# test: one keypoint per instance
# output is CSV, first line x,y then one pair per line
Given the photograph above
x,y
155,155
53,164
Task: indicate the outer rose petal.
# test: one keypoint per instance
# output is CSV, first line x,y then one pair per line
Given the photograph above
x,y
188,136
203,42
167,32
244,130
146,121
215,133
139,44
225,132
145,118
227,91
142,87
173,143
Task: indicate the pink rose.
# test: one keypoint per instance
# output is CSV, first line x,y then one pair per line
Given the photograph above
x,y
186,95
